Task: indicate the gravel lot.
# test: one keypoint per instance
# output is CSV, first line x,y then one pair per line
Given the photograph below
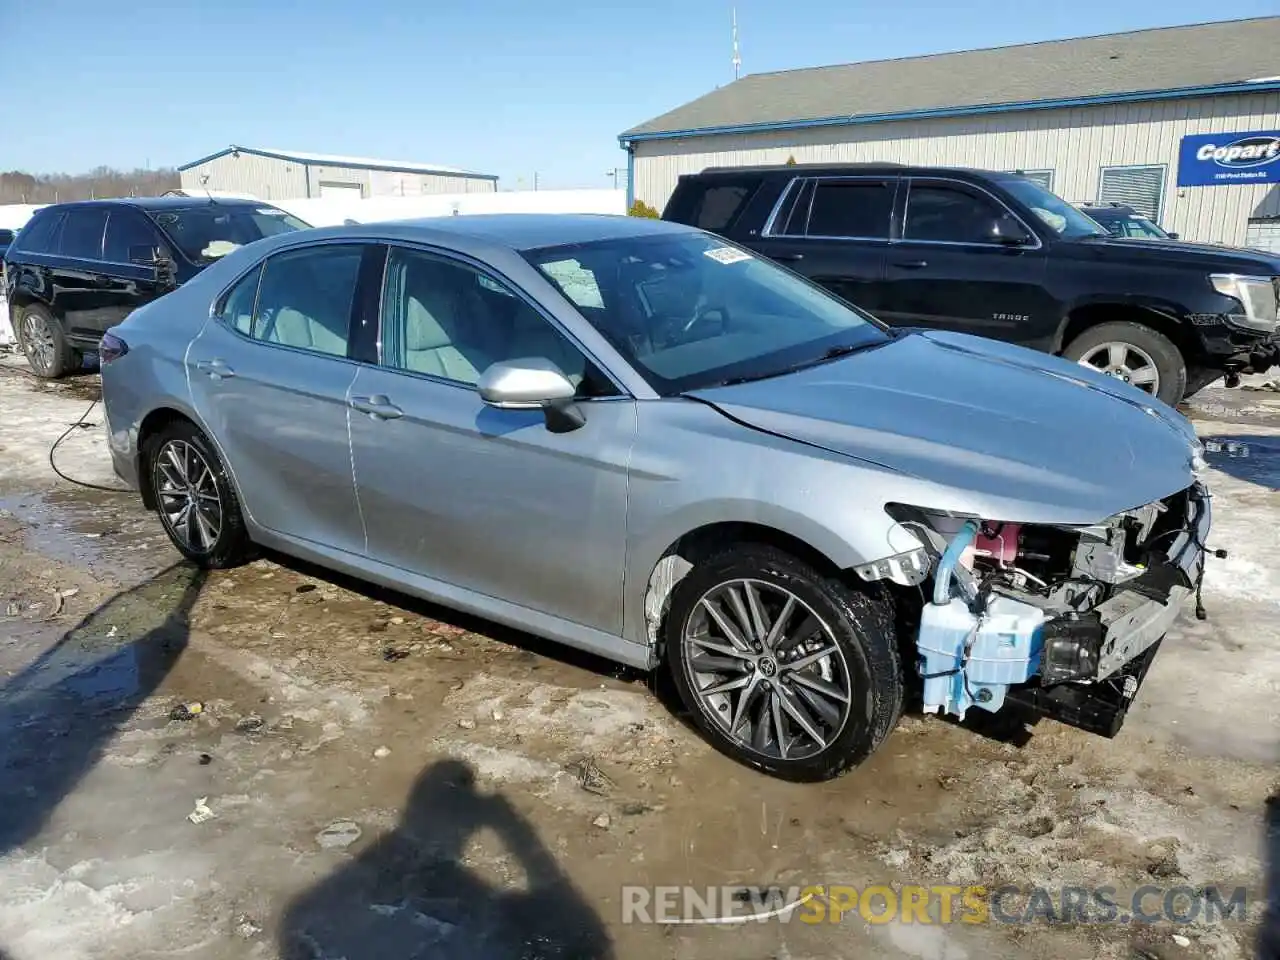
x,y
389,779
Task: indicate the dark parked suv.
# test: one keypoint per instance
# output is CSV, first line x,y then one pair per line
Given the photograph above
x,y
77,269
1121,220
998,255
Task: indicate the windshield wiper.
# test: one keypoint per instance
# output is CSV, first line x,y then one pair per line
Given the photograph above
x,y
831,353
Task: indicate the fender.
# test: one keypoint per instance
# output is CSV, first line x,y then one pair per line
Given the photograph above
x,y
1134,303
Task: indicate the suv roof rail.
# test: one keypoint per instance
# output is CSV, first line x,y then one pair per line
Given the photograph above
x,y
767,167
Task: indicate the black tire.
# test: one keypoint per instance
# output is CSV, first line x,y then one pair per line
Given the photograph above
x,y
54,358
231,545
1168,359
861,622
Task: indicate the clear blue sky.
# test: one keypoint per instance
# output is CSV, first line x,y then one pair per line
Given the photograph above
x,y
501,86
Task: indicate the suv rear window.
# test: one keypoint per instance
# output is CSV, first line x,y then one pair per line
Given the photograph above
x,y
719,205
39,234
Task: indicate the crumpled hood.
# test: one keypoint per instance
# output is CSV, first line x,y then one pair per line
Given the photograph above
x,y
1007,428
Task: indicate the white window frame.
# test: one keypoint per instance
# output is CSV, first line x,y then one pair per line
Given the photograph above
x,y
1164,179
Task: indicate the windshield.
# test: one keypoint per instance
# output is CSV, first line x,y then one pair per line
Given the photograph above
x,y
213,230
1061,217
688,311
1129,225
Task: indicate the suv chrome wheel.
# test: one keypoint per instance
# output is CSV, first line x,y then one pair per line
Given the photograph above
x,y
767,670
187,492
1126,362
38,343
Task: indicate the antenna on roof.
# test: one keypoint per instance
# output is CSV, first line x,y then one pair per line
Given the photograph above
x,y
737,58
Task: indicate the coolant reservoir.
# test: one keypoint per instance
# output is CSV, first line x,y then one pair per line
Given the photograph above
x,y
966,662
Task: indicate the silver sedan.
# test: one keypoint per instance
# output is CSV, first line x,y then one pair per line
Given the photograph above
x,y
637,439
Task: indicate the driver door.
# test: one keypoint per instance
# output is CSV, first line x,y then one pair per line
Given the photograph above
x,y
474,497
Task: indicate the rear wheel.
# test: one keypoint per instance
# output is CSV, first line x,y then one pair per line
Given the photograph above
x,y
195,499
44,344
784,668
1135,354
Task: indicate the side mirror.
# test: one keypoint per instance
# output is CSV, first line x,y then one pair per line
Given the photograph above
x,y
1173,236
1008,231
532,384
156,257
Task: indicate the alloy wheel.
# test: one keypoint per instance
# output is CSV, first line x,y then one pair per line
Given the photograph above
x,y
188,495
38,342
1125,362
767,670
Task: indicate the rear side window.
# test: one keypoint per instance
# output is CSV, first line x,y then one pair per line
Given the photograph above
x,y
39,234
82,233
305,296
237,305
852,208
720,205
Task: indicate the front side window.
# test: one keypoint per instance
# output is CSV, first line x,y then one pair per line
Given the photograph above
x,y
127,231
688,311
82,233
304,298
852,208
212,230
445,319
944,213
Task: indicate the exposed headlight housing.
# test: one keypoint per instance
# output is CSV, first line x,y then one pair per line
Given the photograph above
x,y
1257,297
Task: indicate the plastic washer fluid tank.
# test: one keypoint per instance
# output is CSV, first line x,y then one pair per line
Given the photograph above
x,y
1005,649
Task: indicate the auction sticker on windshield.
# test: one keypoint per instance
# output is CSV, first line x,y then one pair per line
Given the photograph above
x,y
727,254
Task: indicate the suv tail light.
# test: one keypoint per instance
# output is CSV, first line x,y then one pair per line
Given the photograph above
x,y
111,348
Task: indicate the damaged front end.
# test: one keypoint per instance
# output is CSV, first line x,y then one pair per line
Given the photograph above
x,y
1063,620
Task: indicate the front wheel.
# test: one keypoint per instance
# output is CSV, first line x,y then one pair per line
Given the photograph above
x,y
1135,354
784,668
195,498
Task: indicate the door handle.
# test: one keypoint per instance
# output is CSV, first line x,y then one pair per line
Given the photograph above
x,y
789,256
216,369
911,264
377,406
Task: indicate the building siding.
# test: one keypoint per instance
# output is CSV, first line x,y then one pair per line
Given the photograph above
x,y
1074,143
270,178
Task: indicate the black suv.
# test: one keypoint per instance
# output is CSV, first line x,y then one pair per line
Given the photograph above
x,y
1000,256
1121,220
77,269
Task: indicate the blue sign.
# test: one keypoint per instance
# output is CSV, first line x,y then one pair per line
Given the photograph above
x,y
1209,159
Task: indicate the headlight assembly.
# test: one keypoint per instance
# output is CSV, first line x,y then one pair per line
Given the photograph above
x,y
1256,296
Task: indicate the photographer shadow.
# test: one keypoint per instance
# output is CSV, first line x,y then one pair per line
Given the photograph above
x,y
410,895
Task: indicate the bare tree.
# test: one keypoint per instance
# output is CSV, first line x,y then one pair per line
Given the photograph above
x,y
101,182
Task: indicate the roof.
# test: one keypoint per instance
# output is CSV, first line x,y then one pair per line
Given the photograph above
x,y
162,203
336,160
1201,59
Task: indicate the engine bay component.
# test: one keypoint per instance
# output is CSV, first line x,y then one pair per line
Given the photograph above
x,y
1056,617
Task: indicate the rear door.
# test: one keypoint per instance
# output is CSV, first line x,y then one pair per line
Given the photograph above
x,y
270,376
835,231
129,282
80,282
958,266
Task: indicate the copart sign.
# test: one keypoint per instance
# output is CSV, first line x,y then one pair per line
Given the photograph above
x,y
1209,159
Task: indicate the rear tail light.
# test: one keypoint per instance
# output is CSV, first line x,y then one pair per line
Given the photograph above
x,y
111,348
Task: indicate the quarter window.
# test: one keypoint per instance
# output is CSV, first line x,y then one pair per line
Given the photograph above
x,y
82,233
719,205
40,234
237,305
937,212
126,230
304,298
851,208
447,320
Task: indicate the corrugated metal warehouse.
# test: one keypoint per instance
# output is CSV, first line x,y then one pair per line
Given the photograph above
x,y
290,175
1148,118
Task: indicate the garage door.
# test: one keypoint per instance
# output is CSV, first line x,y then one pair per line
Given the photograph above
x,y
341,190
1263,235
1139,187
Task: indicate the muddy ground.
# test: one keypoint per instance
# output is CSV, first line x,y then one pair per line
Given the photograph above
x,y
389,779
